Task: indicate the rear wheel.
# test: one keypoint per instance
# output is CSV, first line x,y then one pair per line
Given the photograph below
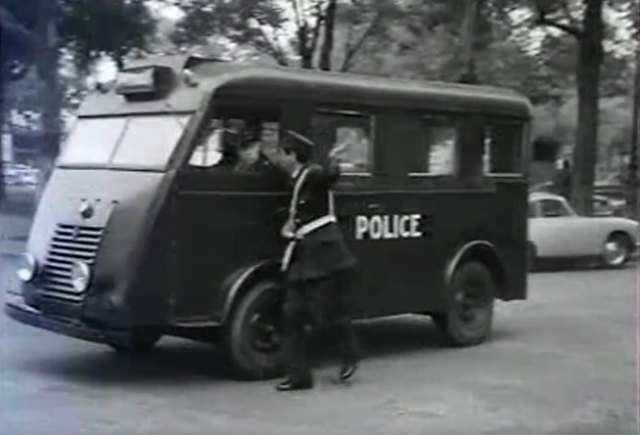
x,y
616,250
253,334
469,314
139,341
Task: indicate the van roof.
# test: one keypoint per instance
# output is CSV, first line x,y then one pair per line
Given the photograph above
x,y
227,78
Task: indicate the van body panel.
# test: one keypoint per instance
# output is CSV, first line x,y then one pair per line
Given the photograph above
x,y
122,204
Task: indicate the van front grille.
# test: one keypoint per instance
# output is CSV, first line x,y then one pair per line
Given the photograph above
x,y
70,243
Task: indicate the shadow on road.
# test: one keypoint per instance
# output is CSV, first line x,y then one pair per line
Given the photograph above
x,y
178,362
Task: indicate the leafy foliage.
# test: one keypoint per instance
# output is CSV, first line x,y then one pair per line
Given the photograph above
x,y
96,27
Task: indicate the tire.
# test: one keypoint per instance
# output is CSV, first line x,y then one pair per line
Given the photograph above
x,y
469,315
141,341
252,336
616,251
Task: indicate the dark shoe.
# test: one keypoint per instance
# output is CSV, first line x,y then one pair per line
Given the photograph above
x,y
347,370
289,385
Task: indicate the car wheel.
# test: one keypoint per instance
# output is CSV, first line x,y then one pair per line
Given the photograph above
x,y
469,314
616,251
139,341
253,334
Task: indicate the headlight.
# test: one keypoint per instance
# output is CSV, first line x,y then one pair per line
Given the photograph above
x,y
80,276
27,267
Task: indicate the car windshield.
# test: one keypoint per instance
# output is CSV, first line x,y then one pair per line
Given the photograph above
x,y
144,142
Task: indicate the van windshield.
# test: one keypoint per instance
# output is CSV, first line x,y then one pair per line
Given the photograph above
x,y
145,142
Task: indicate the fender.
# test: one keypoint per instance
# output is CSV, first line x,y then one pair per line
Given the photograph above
x,y
485,252
237,283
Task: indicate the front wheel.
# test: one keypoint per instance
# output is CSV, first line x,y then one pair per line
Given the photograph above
x,y
468,318
253,335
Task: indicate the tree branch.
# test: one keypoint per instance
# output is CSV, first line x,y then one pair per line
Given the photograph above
x,y
567,13
316,30
352,49
543,20
296,11
272,48
329,30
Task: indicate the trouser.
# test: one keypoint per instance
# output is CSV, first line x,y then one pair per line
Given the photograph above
x,y
321,302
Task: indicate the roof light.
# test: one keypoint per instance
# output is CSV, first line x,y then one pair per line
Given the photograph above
x,y
148,82
136,82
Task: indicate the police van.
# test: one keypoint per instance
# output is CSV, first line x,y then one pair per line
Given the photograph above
x,y
162,216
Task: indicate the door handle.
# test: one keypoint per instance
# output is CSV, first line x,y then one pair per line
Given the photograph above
x,y
373,206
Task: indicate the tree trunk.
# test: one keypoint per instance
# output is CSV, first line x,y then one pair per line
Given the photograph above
x,y
327,44
306,55
47,64
633,175
3,82
588,77
468,43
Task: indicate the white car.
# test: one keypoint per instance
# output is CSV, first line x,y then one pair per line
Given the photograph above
x,y
557,232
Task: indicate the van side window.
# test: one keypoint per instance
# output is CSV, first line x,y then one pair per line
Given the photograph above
x,y
439,150
235,144
502,149
345,137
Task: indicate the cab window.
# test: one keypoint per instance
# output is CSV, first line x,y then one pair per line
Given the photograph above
x,y
236,144
149,141
345,137
502,149
144,142
92,141
438,153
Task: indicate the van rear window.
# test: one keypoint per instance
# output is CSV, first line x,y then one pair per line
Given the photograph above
x,y
502,153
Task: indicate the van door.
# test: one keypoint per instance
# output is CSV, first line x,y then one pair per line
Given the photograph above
x,y
226,208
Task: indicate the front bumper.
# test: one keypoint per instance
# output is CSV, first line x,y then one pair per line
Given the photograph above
x,y
18,310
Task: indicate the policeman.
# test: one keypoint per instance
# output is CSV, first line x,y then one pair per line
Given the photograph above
x,y
317,265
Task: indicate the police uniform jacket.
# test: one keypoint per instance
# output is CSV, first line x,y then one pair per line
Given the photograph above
x,y
316,247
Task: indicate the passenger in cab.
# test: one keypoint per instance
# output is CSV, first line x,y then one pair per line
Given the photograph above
x,y
317,265
249,152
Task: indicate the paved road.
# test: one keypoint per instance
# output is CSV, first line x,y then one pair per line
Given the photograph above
x,y
560,363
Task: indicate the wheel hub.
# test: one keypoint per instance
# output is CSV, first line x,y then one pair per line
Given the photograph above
x,y
614,252
470,303
264,334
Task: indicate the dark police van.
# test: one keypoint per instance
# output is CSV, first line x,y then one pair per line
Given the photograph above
x,y
162,216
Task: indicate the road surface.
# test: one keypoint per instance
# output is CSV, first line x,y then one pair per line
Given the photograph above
x,y
563,362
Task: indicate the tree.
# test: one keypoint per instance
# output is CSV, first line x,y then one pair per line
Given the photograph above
x,y
632,175
17,44
87,29
290,32
589,34
92,28
582,21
